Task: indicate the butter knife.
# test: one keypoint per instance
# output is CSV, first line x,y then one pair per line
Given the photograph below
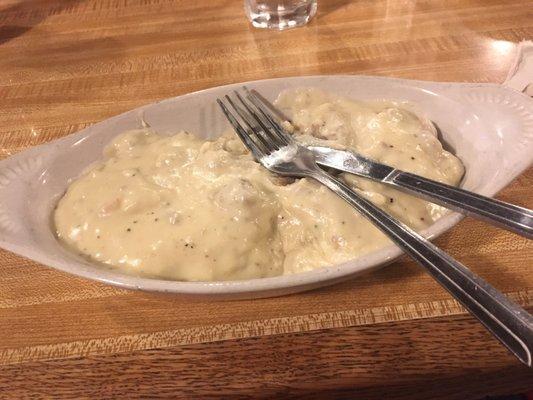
x,y
508,216
505,215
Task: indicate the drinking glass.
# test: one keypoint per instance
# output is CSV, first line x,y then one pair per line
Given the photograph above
x,y
279,14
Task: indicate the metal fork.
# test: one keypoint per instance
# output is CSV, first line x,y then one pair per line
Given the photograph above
x,y
281,154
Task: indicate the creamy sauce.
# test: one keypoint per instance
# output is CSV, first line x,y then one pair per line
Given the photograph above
x,y
177,207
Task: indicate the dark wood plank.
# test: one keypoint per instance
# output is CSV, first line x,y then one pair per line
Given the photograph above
x,y
443,358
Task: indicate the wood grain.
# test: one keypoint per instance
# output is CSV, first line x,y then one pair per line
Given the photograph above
x,y
407,360
392,333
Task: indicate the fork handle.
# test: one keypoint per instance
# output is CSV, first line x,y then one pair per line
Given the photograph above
x,y
505,215
506,320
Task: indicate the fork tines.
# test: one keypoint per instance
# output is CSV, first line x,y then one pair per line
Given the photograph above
x,y
254,123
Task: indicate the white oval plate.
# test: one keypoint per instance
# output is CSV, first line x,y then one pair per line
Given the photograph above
x,y
489,127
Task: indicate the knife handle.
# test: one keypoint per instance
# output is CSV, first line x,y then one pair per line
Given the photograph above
x,y
505,215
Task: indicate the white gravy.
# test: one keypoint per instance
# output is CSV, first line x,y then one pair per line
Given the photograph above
x,y
177,207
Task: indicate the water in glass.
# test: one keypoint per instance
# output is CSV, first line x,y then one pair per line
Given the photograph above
x,y
279,14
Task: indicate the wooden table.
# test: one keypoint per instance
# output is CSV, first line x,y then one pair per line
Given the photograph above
x,y
391,334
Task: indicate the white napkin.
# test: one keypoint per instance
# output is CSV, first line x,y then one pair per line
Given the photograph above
x,y
520,76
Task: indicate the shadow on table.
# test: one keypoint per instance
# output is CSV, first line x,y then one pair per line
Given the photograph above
x,y
12,31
